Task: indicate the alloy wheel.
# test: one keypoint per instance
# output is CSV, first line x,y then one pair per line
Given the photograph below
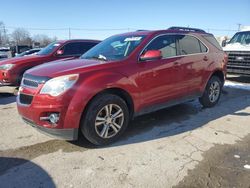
x,y
214,91
109,120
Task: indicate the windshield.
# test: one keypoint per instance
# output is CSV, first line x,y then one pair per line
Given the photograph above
x,y
114,48
241,37
48,49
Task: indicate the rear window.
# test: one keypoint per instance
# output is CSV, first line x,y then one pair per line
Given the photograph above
x,y
212,41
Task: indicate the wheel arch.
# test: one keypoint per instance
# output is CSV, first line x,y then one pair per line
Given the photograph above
x,y
118,92
219,74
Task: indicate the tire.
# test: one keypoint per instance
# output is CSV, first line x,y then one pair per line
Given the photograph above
x,y
214,87
98,125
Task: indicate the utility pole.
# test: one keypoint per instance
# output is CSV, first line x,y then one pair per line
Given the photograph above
x,y
69,33
4,35
239,26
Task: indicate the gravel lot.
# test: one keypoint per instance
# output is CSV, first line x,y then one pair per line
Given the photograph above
x,y
182,146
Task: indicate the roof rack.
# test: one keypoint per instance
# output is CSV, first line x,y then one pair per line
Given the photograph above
x,y
140,30
187,29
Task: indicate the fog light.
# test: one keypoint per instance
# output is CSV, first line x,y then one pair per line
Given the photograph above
x,y
52,118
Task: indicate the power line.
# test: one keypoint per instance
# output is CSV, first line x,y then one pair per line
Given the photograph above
x,y
99,29
211,29
67,29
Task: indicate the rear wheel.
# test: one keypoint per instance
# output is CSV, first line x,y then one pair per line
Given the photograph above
x,y
212,92
105,120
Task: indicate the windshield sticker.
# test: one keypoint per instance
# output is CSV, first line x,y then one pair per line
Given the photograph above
x,y
132,39
56,45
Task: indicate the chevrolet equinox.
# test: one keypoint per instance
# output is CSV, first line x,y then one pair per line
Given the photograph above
x,y
124,76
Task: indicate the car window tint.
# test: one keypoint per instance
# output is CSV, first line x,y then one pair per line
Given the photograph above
x,y
77,48
85,46
203,47
189,45
166,44
213,41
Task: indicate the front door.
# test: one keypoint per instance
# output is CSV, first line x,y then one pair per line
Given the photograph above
x,y
160,80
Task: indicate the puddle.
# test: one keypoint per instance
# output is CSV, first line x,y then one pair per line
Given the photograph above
x,y
36,150
220,167
33,151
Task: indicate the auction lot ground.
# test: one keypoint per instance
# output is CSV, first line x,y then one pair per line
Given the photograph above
x,y
182,146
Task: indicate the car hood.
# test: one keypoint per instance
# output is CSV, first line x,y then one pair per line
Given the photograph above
x,y
237,47
21,60
60,68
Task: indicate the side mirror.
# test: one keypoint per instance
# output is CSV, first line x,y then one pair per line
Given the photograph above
x,y
225,42
59,52
151,55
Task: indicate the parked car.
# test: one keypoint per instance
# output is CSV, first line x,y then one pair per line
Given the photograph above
x,y
3,56
11,70
29,52
4,53
124,76
18,49
238,50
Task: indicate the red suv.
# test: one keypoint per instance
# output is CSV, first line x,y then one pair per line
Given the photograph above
x,y
11,70
122,77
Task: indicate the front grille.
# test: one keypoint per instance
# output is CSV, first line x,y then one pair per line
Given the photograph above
x,y
25,99
33,81
30,83
238,62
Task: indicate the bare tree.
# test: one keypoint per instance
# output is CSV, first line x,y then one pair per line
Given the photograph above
x,y
21,37
43,40
4,39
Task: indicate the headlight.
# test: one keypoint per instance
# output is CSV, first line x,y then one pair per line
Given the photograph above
x,y
58,85
6,66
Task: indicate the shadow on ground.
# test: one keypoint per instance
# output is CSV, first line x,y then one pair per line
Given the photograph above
x,y
181,118
7,98
30,175
239,79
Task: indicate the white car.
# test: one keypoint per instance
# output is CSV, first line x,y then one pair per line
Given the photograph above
x,y
238,50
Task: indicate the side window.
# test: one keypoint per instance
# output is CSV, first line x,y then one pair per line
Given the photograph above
x,y
85,46
189,45
71,49
166,44
203,47
77,48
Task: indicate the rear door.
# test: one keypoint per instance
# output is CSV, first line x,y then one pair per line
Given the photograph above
x,y
193,62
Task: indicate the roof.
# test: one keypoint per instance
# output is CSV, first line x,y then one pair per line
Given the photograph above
x,y
169,30
78,40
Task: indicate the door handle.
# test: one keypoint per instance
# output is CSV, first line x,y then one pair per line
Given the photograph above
x,y
205,58
176,64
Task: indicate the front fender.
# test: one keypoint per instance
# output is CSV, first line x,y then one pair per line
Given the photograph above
x,y
90,86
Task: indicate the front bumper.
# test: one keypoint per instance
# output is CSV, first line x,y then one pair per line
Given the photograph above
x,y
7,78
65,134
32,107
4,84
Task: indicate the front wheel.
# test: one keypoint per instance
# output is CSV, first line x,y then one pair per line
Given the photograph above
x,y
105,120
212,92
